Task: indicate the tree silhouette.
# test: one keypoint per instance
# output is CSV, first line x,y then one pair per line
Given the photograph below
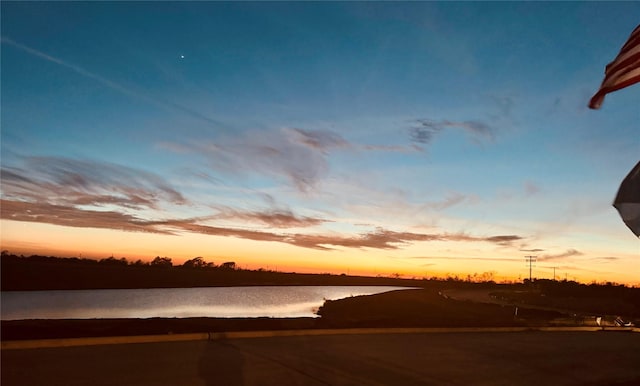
x,y
162,262
113,261
228,265
197,262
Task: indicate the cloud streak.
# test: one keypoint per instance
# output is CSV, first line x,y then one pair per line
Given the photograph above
x,y
296,156
293,155
66,181
274,218
605,258
386,239
561,256
75,217
322,140
452,199
426,130
379,239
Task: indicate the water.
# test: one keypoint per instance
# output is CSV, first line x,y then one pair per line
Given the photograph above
x,y
222,302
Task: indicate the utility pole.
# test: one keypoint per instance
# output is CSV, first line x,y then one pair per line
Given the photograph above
x,y
530,260
554,273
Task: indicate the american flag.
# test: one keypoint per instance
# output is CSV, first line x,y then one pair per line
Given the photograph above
x,y
622,72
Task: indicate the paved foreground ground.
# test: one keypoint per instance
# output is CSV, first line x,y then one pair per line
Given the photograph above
x,y
505,358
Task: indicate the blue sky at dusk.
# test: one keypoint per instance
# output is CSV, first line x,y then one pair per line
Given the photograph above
x,y
415,138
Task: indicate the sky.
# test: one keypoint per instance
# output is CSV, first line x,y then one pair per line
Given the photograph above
x,y
422,139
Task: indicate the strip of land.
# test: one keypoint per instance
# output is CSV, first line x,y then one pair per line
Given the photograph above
x,y
405,308
41,273
439,303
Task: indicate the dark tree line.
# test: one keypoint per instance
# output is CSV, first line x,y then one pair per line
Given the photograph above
x,y
158,262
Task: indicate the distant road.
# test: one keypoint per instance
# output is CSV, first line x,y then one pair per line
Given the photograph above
x,y
505,358
484,296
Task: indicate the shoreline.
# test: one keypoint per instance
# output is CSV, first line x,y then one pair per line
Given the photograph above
x,y
416,308
406,308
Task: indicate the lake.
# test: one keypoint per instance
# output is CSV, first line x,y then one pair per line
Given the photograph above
x,y
220,302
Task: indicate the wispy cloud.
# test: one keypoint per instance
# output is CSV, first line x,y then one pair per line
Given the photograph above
x,y
530,188
380,239
193,227
71,182
394,148
76,217
297,156
273,218
425,131
503,240
387,239
73,217
560,256
451,199
605,258
293,155
322,140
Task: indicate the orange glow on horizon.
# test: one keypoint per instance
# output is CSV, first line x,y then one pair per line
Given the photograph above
x,y
17,237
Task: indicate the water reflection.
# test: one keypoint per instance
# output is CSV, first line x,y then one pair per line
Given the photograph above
x,y
273,301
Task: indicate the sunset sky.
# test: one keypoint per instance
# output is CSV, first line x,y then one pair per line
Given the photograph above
x,y
423,139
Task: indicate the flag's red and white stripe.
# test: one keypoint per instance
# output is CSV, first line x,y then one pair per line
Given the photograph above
x,y
623,71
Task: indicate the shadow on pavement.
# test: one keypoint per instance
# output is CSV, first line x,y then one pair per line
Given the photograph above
x,y
221,364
